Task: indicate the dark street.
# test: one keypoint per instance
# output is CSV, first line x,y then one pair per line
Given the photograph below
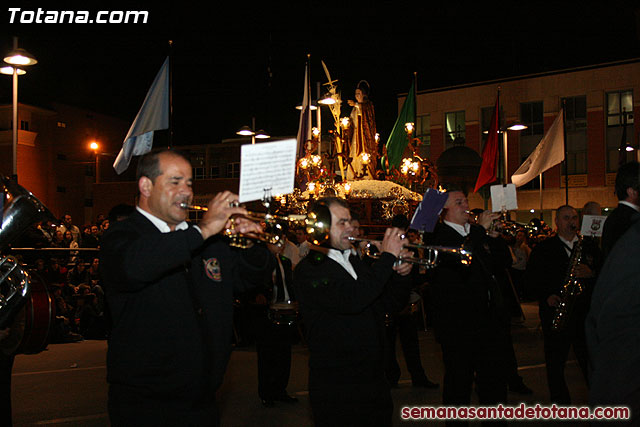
x,y
66,386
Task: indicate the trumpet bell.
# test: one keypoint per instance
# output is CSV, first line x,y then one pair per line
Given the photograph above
x,y
318,224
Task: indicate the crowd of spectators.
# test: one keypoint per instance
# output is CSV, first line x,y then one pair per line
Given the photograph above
x,y
71,276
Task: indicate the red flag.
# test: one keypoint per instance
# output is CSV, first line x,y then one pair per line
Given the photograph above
x,y
488,169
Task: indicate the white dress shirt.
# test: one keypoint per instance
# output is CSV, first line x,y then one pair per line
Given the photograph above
x,y
342,258
463,230
160,224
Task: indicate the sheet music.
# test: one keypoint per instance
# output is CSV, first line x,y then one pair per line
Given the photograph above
x,y
503,198
428,211
267,167
592,225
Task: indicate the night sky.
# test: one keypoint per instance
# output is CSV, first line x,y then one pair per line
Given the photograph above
x,y
232,63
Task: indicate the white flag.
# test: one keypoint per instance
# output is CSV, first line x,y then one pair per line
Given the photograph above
x,y
153,115
548,153
304,126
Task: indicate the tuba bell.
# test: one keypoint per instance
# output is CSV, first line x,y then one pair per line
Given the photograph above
x,y
21,209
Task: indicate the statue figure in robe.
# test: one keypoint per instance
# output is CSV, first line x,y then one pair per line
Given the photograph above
x,y
361,134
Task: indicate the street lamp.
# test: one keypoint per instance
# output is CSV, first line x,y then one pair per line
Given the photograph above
x,y
514,127
93,145
249,131
16,58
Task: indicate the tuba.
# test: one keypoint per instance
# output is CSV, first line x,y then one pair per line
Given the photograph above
x,y
24,299
570,290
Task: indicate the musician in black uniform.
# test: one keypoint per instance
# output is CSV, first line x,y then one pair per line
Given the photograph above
x,y
274,336
343,302
469,318
545,276
170,291
628,209
613,328
9,341
402,324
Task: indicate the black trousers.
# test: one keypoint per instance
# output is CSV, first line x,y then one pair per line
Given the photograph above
x,y
6,366
131,409
273,347
483,360
340,400
556,352
404,327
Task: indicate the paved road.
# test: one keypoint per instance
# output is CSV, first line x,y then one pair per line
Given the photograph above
x,y
65,385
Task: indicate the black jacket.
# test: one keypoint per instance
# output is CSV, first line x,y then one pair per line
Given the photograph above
x,y
613,325
266,288
618,221
547,271
467,298
156,345
344,317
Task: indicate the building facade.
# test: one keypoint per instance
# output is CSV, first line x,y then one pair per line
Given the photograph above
x,y
600,102
54,160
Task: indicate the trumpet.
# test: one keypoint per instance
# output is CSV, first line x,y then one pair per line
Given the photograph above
x,y
431,255
508,227
273,225
511,228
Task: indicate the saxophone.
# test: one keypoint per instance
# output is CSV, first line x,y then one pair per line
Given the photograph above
x,y
571,289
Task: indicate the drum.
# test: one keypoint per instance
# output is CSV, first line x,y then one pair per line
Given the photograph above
x,y
39,315
283,313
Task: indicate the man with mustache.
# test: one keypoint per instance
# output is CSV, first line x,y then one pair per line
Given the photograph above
x,y
545,276
169,288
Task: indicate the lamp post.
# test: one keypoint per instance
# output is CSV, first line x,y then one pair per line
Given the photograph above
x,y
95,146
250,131
16,58
515,127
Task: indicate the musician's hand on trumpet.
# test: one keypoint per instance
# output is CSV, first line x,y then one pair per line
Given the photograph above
x,y
486,218
218,216
403,268
392,241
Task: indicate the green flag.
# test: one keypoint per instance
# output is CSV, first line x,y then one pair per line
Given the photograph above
x,y
398,138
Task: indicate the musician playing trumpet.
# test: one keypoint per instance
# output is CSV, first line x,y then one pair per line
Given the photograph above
x,y
546,275
169,287
343,301
468,304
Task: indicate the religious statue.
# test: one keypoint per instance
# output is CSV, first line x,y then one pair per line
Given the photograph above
x,y
361,135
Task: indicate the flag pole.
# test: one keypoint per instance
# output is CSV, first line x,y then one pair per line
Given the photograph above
x,y
540,195
566,158
415,98
170,94
310,116
622,153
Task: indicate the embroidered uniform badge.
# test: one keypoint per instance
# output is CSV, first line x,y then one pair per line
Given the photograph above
x,y
212,269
